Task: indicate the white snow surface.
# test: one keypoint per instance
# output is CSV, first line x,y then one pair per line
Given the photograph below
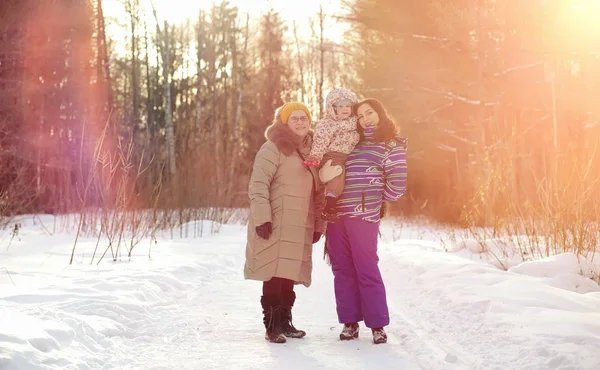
x,y
189,307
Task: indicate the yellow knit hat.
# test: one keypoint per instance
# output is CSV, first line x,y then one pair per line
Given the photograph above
x,y
288,108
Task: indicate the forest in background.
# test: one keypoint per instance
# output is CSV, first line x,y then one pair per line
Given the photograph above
x,y
497,98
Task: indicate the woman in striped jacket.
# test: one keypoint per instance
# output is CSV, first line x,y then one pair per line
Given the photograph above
x,y
375,172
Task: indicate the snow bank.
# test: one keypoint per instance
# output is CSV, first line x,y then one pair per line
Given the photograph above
x,y
81,316
84,310
566,271
489,318
498,252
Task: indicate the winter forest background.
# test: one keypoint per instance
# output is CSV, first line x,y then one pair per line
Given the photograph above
x,y
138,123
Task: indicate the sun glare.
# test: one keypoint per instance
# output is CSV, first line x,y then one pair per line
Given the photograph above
x,y
577,23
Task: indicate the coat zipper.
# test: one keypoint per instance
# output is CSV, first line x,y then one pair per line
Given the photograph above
x,y
363,200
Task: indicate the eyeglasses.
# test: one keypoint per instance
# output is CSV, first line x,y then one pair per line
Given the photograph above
x,y
304,119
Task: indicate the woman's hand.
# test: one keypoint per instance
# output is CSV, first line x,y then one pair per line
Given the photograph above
x,y
264,230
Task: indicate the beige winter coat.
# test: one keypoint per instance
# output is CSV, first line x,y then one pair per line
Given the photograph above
x,y
283,191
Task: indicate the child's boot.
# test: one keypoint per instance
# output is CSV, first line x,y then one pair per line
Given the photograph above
x,y
350,331
379,336
330,211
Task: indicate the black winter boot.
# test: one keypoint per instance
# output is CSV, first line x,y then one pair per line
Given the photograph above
x,y
272,319
287,327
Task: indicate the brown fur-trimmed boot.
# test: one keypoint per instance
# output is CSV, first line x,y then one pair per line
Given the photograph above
x,y
287,327
272,319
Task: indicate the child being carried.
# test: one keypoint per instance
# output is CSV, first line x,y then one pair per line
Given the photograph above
x,y
334,139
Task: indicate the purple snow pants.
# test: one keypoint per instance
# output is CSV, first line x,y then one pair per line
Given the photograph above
x,y
359,289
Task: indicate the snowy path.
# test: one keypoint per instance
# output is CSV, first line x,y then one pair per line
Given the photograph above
x,y
190,308
196,312
225,312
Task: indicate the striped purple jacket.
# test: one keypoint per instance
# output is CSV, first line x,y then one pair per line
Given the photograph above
x,y
375,172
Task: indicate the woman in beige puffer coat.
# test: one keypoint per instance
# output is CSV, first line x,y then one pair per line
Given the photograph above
x,y
284,222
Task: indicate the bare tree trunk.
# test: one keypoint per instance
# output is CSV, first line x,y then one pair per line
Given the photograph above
x,y
481,35
554,116
38,161
215,127
150,102
103,64
134,75
240,99
200,37
166,56
150,139
322,59
184,82
224,122
103,70
126,97
217,138
300,63
311,69
170,137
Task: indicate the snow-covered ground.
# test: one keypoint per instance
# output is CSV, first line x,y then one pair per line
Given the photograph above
x,y
190,308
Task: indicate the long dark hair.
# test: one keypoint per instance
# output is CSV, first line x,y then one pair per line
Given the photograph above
x,y
386,130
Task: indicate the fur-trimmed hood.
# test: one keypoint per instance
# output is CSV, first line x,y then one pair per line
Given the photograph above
x,y
335,96
286,141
